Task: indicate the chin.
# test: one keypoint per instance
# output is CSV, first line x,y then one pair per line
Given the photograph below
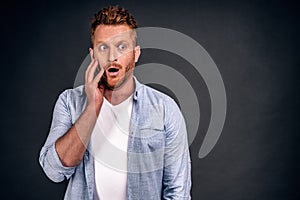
x,y
113,85
117,82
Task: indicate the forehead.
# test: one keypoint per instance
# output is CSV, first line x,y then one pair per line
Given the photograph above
x,y
106,33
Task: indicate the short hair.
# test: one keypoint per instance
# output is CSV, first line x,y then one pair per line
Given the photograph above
x,y
112,15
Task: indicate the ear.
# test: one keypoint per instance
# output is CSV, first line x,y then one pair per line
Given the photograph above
x,y
137,53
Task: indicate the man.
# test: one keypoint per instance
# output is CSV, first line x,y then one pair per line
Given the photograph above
x,y
115,138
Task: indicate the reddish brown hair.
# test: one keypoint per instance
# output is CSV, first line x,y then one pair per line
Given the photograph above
x,y
112,15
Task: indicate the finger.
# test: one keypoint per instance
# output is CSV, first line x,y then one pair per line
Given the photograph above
x,y
91,63
90,73
98,76
87,72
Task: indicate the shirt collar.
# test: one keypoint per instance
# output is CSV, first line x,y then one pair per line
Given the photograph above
x,y
137,86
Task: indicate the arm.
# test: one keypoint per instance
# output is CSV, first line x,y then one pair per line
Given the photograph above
x,y
72,145
66,143
177,167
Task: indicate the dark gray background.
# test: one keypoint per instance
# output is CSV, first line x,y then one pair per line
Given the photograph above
x,y
255,45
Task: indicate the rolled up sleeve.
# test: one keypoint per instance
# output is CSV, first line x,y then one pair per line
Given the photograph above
x,y
61,123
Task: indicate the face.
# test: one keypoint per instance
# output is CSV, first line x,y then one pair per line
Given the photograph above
x,y
115,50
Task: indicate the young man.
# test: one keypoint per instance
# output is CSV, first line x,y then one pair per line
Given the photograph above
x,y
115,138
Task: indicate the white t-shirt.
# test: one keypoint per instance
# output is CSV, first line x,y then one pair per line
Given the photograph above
x,y
109,143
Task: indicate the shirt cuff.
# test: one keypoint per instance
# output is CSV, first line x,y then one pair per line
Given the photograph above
x,y
55,163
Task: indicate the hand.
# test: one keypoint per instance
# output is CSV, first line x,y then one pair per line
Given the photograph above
x,y
94,92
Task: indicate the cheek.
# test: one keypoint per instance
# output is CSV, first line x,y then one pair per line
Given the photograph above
x,y
130,65
98,57
129,59
102,62
103,65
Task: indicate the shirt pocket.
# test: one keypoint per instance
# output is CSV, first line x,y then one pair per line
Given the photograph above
x,y
151,140
148,151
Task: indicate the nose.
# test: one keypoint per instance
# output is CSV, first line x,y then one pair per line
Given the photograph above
x,y
113,55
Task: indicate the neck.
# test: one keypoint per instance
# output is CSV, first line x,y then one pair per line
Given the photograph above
x,y
116,96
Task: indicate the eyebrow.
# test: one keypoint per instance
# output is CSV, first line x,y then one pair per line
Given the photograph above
x,y
99,42
117,42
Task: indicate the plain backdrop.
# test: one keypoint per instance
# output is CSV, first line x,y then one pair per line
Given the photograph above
x,y
255,45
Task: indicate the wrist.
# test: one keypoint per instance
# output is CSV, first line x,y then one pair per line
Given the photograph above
x,y
93,109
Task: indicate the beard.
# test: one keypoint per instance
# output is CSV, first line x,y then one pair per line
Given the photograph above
x,y
128,73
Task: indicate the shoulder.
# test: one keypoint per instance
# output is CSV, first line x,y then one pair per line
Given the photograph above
x,y
73,98
78,91
152,95
72,94
154,100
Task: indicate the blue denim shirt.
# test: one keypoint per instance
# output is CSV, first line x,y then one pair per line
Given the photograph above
x,y
159,165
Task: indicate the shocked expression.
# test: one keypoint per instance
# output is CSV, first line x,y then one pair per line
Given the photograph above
x,y
116,52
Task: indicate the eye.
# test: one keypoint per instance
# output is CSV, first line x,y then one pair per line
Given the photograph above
x,y
103,47
122,46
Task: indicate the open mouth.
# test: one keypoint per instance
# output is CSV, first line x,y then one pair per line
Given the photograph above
x,y
113,71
